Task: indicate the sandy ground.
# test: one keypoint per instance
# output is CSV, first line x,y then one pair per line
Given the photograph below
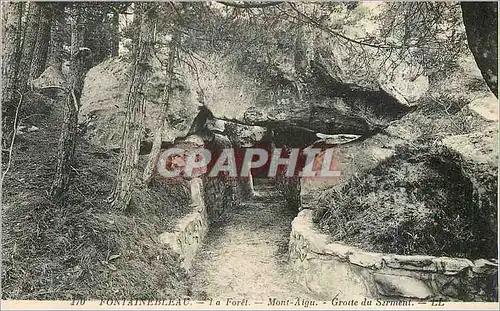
x,y
245,253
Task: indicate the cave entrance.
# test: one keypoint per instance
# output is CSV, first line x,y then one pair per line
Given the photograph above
x,y
289,142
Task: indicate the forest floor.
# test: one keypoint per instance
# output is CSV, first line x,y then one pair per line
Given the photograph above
x,y
245,254
79,246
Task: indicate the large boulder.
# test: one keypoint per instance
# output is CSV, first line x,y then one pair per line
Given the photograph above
x,y
486,107
50,78
352,161
306,77
479,163
326,98
346,107
244,136
479,153
104,99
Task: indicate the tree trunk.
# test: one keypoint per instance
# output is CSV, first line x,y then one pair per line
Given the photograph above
x,y
41,47
55,55
481,26
67,141
134,122
11,46
162,120
114,36
29,41
10,66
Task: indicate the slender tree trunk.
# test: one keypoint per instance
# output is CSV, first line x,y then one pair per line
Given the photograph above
x,y
55,55
41,47
162,121
10,66
134,122
114,39
67,141
29,41
481,26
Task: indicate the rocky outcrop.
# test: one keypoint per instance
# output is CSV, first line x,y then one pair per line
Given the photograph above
x,y
328,268
229,95
479,163
310,78
479,153
244,136
104,97
50,78
486,107
323,97
319,85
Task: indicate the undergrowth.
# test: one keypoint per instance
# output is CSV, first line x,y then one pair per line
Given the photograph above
x,y
79,246
417,202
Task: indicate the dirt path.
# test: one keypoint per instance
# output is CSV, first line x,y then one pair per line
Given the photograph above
x,y
245,253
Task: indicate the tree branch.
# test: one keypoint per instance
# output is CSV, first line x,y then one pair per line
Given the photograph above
x,y
250,5
337,34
